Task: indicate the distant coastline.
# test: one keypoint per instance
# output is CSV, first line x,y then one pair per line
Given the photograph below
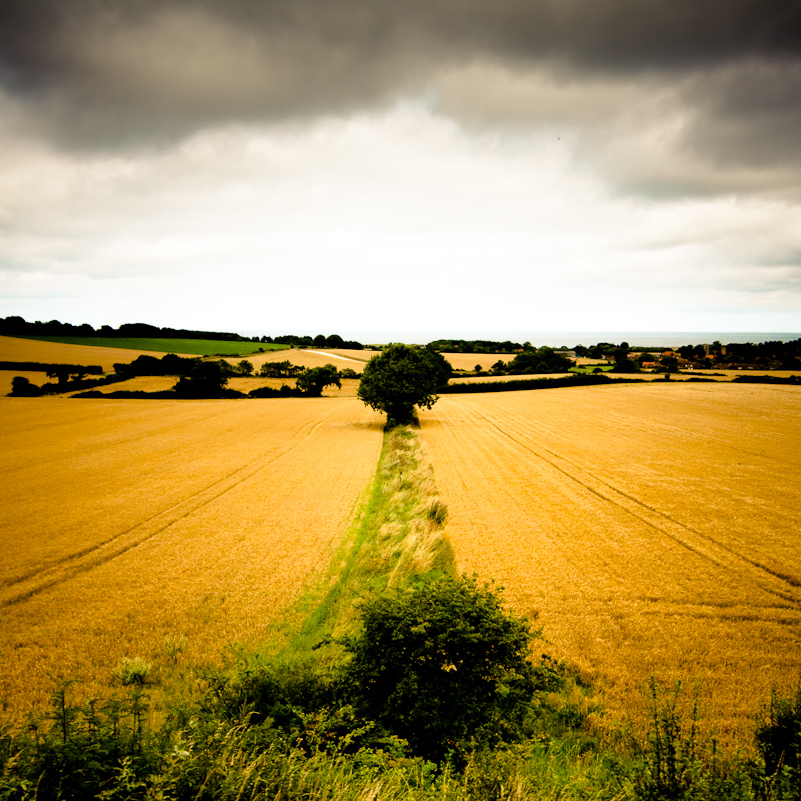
x,y
569,339
652,338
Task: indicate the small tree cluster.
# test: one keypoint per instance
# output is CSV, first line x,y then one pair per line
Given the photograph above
x,y
316,379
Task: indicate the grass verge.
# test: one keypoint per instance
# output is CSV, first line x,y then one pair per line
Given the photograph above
x,y
397,537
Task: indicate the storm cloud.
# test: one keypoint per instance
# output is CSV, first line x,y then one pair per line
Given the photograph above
x,y
99,73
625,140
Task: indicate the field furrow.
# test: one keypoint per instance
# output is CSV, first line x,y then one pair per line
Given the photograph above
x,y
652,529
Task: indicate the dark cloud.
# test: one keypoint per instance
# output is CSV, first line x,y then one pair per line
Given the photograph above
x,y
106,73
749,114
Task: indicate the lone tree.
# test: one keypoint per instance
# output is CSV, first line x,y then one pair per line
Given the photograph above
x,y
402,377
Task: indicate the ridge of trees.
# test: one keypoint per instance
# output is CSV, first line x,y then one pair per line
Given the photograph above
x,y
476,346
572,380
531,361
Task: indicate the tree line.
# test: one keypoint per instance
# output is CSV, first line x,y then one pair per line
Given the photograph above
x,y
196,378
16,326
476,346
19,327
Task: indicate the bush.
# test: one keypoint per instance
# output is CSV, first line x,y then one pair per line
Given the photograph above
x,y
442,666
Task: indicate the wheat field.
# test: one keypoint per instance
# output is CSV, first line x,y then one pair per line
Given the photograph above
x,y
652,529
129,526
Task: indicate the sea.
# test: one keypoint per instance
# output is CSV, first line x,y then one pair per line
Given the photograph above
x,y
569,339
649,339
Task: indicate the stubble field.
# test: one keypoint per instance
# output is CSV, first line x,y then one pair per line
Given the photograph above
x,y
653,529
132,527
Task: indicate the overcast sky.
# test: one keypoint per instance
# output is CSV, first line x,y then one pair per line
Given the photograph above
x,y
391,167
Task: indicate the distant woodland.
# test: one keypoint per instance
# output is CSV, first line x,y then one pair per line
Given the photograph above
x,y
19,327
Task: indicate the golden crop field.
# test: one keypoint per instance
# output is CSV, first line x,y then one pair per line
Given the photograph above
x,y
356,359
468,361
131,526
341,359
653,529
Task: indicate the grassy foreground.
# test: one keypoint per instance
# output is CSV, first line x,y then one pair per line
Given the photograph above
x,y
265,727
195,347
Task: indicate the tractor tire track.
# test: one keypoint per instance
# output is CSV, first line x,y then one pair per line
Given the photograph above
x,y
21,588
710,549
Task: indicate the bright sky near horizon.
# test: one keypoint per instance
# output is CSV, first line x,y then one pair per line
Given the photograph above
x,y
385,168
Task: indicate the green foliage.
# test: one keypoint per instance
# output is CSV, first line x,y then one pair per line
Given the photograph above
x,y
132,670
573,380
778,738
169,364
208,380
541,360
313,381
442,665
197,347
283,369
675,764
400,378
668,364
474,346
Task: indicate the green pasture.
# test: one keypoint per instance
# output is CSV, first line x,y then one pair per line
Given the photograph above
x,y
589,368
195,347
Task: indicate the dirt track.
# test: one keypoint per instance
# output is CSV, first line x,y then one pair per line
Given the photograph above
x,y
654,529
127,522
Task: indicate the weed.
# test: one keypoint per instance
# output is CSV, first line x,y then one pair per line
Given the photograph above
x,y
437,512
132,671
174,647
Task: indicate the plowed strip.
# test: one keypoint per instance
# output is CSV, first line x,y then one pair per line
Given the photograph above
x,y
126,522
654,529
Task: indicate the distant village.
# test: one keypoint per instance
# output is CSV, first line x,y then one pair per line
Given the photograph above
x,y
774,355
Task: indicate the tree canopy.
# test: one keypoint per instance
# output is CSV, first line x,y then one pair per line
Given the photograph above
x,y
402,377
313,381
207,380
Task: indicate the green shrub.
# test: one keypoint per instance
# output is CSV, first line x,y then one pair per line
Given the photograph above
x,y
778,738
443,666
132,671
